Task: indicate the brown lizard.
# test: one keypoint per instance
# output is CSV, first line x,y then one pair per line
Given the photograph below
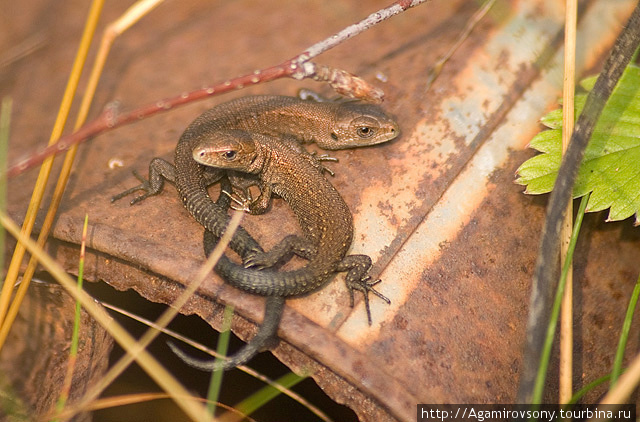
x,y
331,125
324,217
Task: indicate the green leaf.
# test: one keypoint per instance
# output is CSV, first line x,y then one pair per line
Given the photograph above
x,y
610,169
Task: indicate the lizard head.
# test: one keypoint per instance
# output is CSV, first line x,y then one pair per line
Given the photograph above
x,y
227,149
358,125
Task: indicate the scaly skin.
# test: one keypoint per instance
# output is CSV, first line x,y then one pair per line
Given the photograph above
x,y
323,215
331,125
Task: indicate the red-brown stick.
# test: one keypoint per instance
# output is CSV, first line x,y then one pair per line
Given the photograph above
x,y
299,67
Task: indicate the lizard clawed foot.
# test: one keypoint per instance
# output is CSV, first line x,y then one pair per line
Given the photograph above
x,y
144,185
324,157
261,260
242,202
257,262
365,285
316,159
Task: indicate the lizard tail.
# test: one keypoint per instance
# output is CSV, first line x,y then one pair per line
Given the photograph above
x,y
267,331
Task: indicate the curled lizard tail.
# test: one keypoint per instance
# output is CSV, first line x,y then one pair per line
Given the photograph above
x,y
273,312
274,308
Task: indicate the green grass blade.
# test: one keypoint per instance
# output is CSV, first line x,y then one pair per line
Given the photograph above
x,y
624,335
75,335
216,376
77,316
555,312
584,390
5,123
267,393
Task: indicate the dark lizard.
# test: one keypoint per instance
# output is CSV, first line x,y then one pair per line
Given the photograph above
x,y
331,125
324,217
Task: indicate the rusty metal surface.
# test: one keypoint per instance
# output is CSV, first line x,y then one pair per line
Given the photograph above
x,y
36,354
452,238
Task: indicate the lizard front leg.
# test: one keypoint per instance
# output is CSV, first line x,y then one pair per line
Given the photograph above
x,y
243,199
161,170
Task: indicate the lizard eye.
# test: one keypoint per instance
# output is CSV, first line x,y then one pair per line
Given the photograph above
x,y
365,131
230,155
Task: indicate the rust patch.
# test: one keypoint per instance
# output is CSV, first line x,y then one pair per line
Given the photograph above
x,y
36,353
457,337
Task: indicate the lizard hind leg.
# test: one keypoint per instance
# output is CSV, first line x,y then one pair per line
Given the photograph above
x,y
290,245
357,267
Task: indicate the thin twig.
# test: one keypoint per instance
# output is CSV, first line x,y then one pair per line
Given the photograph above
x,y
435,70
299,67
24,48
566,318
